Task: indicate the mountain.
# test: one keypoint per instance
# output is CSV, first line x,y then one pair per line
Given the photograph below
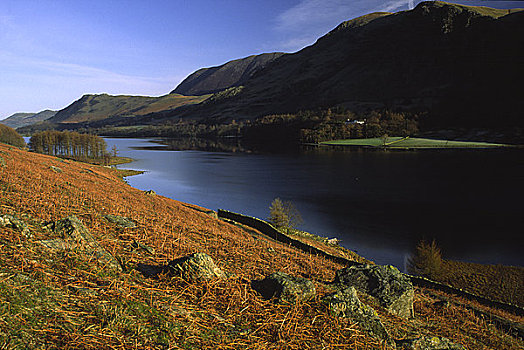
x,y
18,120
90,108
460,63
233,73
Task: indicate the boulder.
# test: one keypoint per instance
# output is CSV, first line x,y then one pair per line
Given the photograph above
x,y
150,193
74,235
345,303
285,288
55,169
428,343
195,267
14,223
120,221
392,289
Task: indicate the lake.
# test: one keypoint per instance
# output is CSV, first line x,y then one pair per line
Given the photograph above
x,y
380,204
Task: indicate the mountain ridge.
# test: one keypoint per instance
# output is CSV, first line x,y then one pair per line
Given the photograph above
x,y
230,74
98,107
19,120
452,63
426,58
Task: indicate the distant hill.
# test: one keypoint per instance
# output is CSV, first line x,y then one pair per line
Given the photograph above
x,y
456,66
18,120
91,108
458,62
233,73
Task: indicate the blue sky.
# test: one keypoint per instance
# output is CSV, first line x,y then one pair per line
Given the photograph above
x,y
54,51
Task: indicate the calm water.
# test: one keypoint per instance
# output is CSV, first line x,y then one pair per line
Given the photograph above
x,y
379,204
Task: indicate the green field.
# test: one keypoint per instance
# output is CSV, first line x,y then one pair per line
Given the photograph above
x,y
410,143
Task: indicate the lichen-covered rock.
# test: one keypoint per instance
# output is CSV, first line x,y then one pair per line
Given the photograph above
x,y
150,193
345,303
428,343
120,221
196,267
285,288
392,289
55,169
74,235
139,245
14,223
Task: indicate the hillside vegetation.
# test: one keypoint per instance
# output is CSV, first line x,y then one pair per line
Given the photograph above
x,y
92,108
64,298
9,136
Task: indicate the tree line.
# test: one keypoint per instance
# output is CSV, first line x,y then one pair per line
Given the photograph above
x,y
70,144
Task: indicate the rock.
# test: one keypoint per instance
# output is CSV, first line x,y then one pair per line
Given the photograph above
x,y
74,235
56,244
2,162
285,288
195,267
392,289
428,343
345,303
333,241
12,222
150,193
55,169
212,213
138,245
120,221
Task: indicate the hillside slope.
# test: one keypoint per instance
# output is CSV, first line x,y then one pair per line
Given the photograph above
x,y
457,62
19,120
90,108
58,297
230,74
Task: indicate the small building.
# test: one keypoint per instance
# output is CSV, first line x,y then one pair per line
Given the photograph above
x,y
355,121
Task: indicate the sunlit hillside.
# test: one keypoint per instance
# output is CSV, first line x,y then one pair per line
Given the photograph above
x,y
65,299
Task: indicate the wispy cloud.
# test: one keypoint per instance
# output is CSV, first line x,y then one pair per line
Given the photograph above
x,y
81,75
303,23
34,84
390,6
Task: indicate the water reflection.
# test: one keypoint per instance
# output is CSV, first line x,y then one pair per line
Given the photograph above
x,y
378,203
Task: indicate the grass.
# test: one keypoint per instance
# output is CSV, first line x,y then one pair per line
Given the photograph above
x,y
411,143
128,172
497,282
66,300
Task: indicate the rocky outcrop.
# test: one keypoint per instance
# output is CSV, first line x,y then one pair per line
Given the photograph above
x,y
428,343
195,267
15,224
392,289
73,235
345,303
285,288
120,221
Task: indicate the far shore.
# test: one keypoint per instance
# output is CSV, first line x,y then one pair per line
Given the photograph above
x,y
413,143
